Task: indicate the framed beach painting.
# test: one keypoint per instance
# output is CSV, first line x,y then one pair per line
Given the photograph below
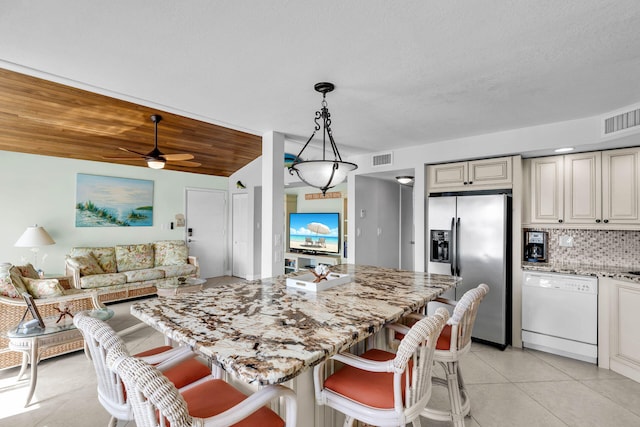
x,y
107,201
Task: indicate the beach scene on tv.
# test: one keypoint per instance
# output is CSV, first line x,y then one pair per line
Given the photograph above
x,y
317,232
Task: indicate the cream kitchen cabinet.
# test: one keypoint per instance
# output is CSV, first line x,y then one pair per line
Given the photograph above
x,y
621,186
618,319
547,189
593,189
472,175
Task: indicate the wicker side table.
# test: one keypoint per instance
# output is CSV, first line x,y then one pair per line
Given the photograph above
x,y
33,342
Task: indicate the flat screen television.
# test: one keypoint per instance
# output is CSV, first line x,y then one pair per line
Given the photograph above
x,y
314,232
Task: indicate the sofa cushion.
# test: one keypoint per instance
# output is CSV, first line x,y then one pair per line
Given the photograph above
x,y
177,270
142,275
170,252
43,288
134,257
106,256
100,280
87,264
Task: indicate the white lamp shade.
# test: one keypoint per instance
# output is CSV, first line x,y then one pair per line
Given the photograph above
x,y
317,173
34,237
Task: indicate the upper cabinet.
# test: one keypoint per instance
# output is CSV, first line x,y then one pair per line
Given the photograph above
x,y
585,189
473,175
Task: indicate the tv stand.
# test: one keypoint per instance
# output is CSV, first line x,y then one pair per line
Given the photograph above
x,y
294,261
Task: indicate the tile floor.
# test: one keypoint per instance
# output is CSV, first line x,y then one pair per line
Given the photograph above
x,y
508,388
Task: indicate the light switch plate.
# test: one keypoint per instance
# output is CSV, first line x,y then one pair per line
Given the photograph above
x,y
566,241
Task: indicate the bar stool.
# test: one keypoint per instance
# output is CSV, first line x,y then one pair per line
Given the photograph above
x,y
453,343
383,388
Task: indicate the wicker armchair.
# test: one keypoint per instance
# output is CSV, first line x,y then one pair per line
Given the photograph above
x,y
453,343
382,388
178,364
214,403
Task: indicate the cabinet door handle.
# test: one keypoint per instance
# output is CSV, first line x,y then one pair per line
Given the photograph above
x,y
470,182
466,183
606,221
560,221
598,221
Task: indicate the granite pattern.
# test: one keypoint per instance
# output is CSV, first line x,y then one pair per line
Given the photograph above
x,y
621,273
263,332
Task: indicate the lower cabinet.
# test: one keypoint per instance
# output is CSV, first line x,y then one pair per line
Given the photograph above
x,y
298,261
619,320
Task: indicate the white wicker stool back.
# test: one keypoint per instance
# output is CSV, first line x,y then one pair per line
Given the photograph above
x,y
155,399
99,338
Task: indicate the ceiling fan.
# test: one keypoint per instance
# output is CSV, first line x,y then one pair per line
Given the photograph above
x,y
155,158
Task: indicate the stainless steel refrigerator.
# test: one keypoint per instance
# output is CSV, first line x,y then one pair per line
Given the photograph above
x,y
469,236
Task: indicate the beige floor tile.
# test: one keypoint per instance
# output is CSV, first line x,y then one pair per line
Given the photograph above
x,y
498,405
517,365
477,371
624,392
578,405
576,369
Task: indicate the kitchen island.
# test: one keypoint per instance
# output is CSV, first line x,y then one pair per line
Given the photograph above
x,y
263,332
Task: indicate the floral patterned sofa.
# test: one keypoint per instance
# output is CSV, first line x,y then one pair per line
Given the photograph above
x,y
52,295
128,271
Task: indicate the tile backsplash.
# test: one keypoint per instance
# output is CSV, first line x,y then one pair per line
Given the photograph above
x,y
615,248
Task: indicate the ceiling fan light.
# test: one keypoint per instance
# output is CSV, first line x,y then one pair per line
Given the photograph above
x,y
155,163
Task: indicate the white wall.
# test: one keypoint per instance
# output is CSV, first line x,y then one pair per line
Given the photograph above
x,y
42,190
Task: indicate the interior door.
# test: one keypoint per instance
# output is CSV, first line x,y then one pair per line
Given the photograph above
x,y
240,235
206,229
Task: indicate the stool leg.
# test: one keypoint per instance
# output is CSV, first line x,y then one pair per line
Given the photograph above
x,y
454,394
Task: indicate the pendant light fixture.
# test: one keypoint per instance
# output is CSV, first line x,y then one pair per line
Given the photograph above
x,y
325,173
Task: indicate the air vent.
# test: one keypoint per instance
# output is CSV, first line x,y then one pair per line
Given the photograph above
x,y
622,121
382,159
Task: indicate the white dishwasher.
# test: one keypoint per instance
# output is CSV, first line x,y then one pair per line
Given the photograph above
x,y
560,314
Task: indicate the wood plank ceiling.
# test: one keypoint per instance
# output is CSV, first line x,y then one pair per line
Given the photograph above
x,y
41,117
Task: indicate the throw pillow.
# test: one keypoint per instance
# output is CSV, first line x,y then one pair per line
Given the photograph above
x,y
106,257
43,288
16,279
170,252
28,271
87,264
7,289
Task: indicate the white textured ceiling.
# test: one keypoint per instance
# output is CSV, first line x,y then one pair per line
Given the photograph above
x,y
406,72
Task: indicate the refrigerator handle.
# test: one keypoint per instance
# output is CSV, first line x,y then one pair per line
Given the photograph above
x,y
453,247
458,248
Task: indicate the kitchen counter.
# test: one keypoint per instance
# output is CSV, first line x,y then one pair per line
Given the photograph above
x,y
263,332
601,271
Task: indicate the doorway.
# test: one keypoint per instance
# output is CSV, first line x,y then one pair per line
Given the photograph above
x,y
206,229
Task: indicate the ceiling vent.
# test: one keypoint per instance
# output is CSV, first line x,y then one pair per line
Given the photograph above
x,y
626,120
381,159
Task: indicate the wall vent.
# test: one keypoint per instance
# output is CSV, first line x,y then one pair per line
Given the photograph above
x,y
382,159
623,121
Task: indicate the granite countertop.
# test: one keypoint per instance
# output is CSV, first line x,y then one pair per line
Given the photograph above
x,y
263,332
585,270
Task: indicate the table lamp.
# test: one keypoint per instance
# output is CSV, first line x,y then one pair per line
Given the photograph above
x,y
33,238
